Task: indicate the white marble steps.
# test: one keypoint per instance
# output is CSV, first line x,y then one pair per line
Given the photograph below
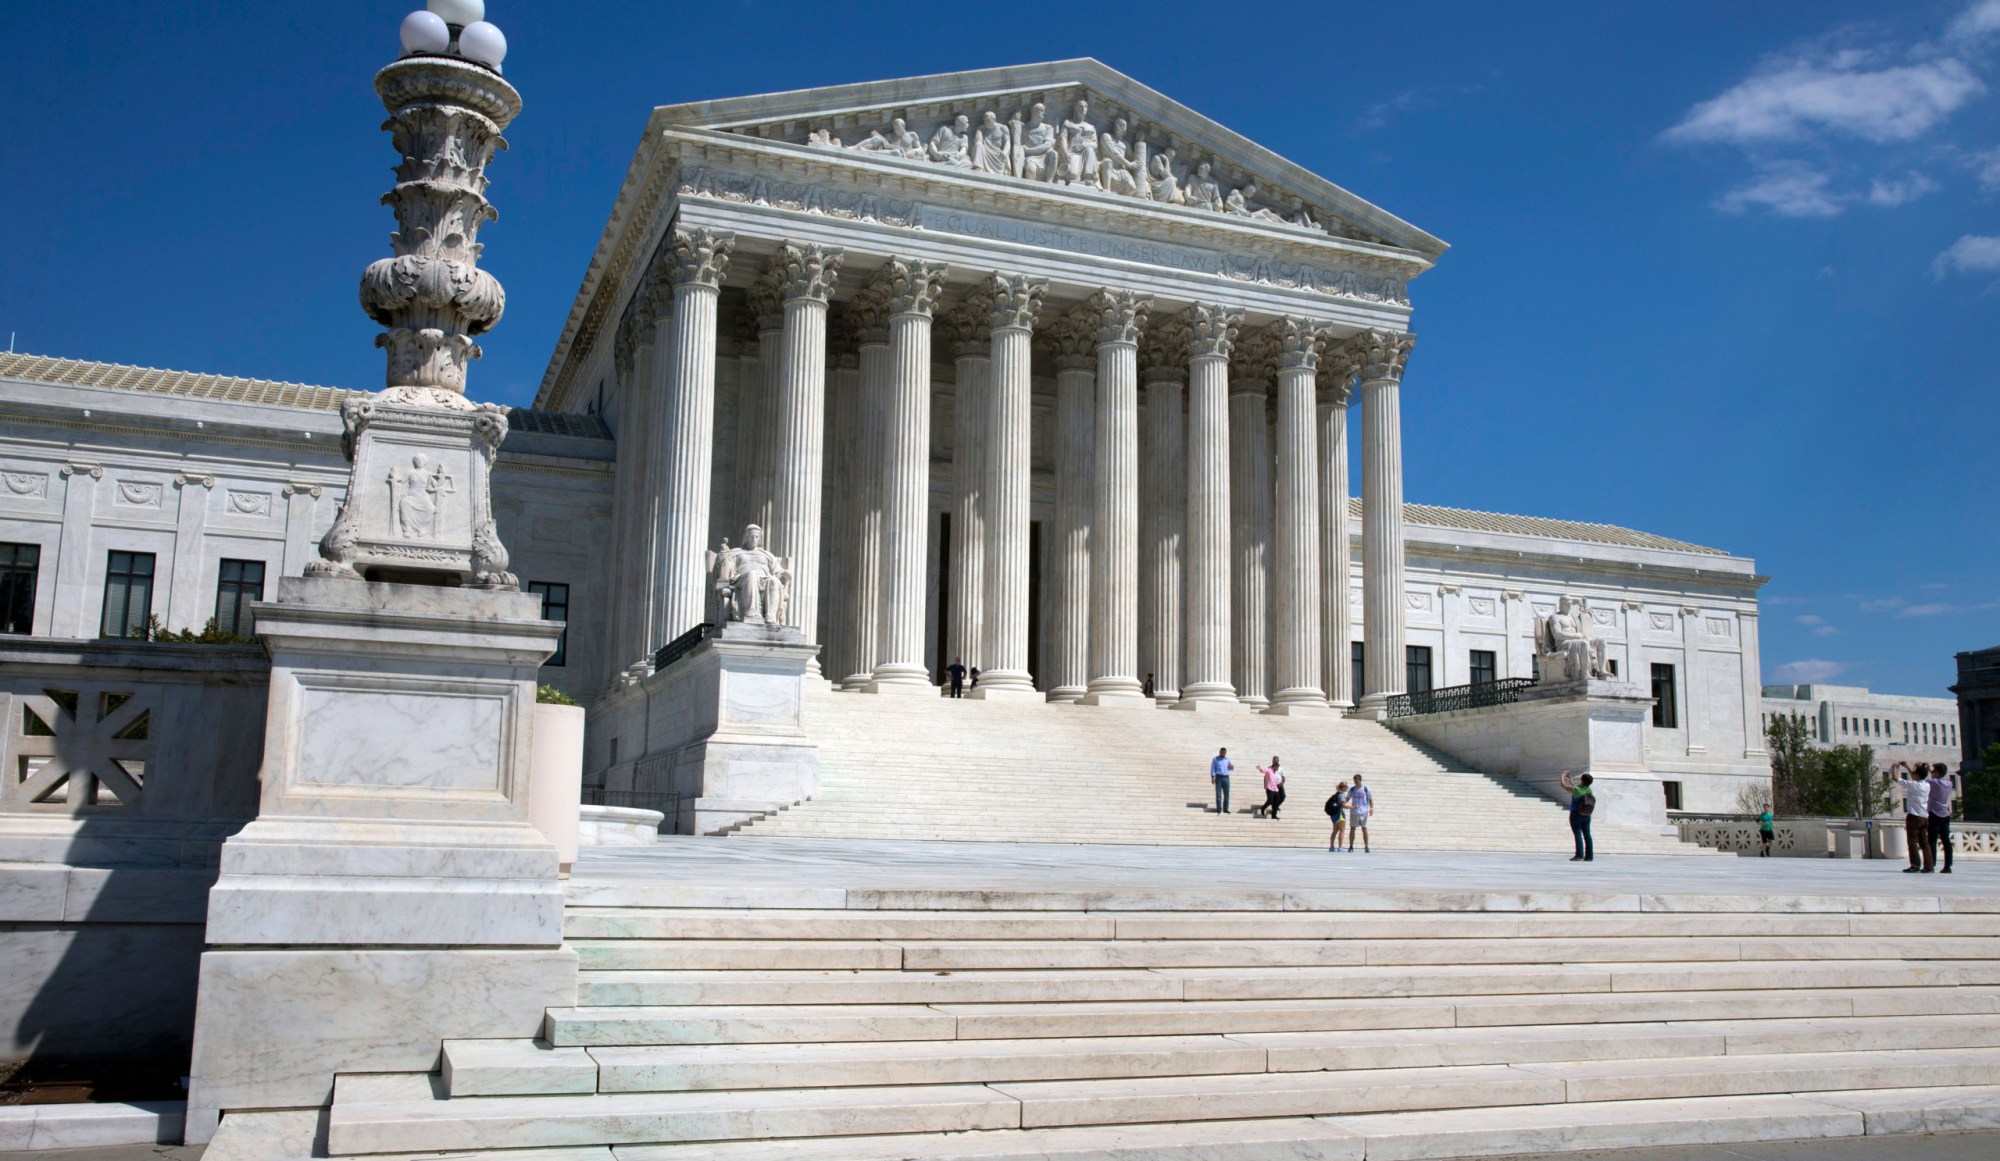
x,y
937,769
407,1113
523,1068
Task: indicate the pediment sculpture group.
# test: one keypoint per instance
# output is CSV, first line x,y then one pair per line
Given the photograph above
x,y
1071,152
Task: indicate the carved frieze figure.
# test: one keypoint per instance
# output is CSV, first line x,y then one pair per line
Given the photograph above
x,y
750,584
1121,166
1565,634
900,140
991,146
952,143
1203,191
1165,182
415,493
1079,148
823,139
1035,146
1238,203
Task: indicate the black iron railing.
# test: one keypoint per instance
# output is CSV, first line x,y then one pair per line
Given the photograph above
x,y
666,802
1478,695
681,646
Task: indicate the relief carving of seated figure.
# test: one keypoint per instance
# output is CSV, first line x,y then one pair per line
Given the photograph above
x,y
751,584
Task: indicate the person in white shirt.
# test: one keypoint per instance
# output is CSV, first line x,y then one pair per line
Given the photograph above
x,y
1360,804
1938,832
1916,813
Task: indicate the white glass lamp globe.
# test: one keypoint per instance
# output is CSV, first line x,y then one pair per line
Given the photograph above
x,y
459,12
425,32
482,42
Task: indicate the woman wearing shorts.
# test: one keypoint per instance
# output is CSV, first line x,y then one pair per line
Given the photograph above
x,y
1336,809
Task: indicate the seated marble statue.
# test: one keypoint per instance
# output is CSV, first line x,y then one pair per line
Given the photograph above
x,y
750,584
1565,633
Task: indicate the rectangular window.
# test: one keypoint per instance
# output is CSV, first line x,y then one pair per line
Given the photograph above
x,y
1673,790
19,565
1613,663
1485,666
1354,652
1664,712
237,584
128,595
1417,667
555,607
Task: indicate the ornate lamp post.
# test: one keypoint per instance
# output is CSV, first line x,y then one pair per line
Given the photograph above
x,y
418,507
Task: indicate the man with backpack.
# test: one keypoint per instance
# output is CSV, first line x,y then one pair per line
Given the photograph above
x,y
1582,803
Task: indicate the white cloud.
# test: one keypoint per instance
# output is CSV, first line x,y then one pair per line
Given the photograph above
x,y
1985,167
1884,605
1894,193
1971,254
1818,623
1792,99
1826,631
1977,22
1810,670
1810,619
1792,189
1932,609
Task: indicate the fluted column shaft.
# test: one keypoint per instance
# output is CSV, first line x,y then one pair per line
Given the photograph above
x,y
843,411
1016,301
651,563
1250,542
1295,569
1166,520
1114,556
701,258
1069,605
1382,356
1336,627
798,458
1212,334
864,596
973,366
913,291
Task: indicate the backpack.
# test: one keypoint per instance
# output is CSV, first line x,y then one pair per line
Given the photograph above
x,y
1586,804
1333,806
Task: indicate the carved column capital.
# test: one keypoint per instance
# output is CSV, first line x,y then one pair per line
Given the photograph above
x,y
1121,315
1163,356
1380,355
1254,364
1299,342
766,301
1072,340
297,488
870,312
806,272
1211,330
183,479
966,329
80,468
842,335
1335,380
699,257
1017,299
913,285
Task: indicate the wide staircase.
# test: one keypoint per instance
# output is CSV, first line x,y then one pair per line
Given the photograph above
x,y
1138,1025
1011,771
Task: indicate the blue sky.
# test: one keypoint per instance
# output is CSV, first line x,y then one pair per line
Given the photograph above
x,y
1722,271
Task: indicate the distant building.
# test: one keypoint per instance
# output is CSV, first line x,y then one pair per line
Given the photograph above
x,y
1897,728
1978,691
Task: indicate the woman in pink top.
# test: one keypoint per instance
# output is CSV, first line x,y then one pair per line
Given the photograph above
x,y
1274,788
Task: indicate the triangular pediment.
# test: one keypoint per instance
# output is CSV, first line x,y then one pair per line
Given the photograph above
x,y
1097,131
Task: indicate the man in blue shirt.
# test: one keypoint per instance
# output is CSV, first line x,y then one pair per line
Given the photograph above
x,y
1218,773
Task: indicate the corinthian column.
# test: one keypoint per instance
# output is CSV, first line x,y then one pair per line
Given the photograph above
x,y
870,311
700,258
1336,376
1073,339
1016,301
1211,340
766,305
843,417
1380,357
798,461
913,288
1250,515
1114,557
967,328
1295,540
1163,372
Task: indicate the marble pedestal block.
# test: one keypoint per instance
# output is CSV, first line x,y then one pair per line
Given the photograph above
x,y
393,815
723,726
1586,727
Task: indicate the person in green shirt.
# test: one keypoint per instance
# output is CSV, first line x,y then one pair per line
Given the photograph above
x,y
1582,804
1765,834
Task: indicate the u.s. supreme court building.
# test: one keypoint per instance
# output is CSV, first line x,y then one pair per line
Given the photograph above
x,y
1029,367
